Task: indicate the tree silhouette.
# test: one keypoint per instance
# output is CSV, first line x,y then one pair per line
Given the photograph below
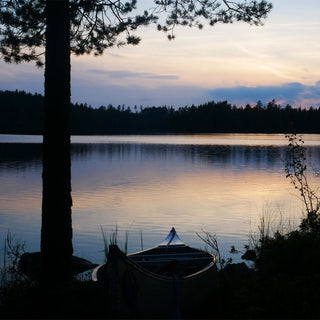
x,y
57,27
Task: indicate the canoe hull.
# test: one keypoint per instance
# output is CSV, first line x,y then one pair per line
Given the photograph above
x,y
136,292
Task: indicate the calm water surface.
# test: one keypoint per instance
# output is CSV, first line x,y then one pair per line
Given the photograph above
x,y
221,183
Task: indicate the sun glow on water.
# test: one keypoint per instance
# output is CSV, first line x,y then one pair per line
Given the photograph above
x,y
218,183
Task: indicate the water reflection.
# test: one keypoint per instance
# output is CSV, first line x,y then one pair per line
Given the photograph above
x,y
23,156
254,157
152,187
20,156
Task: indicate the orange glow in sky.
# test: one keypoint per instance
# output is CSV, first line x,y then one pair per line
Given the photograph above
x,y
239,63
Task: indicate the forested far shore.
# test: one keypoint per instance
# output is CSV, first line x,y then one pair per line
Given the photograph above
x,y
22,113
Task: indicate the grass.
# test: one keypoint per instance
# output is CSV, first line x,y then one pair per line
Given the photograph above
x,y
114,239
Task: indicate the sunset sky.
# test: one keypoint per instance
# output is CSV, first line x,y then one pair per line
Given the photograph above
x,y
239,63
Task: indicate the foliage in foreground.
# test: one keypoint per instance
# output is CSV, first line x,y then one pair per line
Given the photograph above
x,y
287,264
22,297
298,247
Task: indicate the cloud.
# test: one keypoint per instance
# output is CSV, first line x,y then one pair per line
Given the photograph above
x,y
295,94
130,95
124,74
29,82
129,91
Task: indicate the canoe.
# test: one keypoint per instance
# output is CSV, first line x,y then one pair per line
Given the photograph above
x,y
168,281
172,257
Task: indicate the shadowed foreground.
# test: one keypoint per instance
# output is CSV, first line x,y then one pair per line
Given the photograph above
x,y
278,290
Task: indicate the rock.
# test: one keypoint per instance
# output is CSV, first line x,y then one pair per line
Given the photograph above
x,y
249,255
234,271
30,265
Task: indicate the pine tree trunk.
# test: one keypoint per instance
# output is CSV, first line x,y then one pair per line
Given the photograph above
x,y
56,231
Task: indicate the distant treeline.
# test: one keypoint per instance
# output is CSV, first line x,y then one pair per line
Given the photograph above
x,y
22,113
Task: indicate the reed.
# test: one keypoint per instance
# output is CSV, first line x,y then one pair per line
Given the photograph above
x,y
13,250
211,241
105,243
114,240
271,222
141,240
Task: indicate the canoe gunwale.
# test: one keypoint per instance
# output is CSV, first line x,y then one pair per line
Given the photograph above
x,y
113,249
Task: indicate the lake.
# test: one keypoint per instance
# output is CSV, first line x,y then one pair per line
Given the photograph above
x,y
221,183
